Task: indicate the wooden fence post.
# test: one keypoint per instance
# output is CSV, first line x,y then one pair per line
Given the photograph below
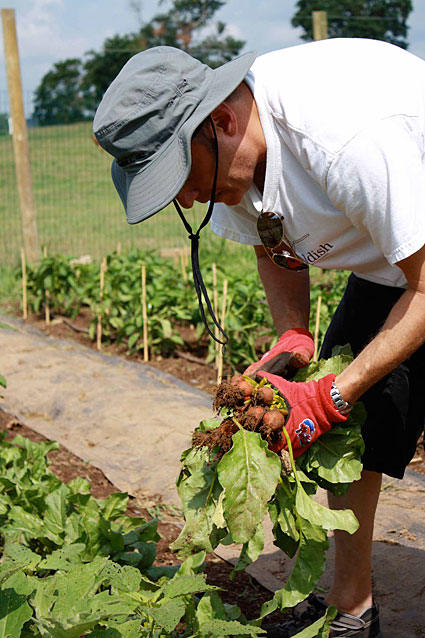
x,y
20,137
320,25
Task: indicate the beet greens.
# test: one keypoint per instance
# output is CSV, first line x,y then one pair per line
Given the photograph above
x,y
231,480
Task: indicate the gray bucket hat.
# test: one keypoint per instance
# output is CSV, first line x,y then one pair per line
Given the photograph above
x,y
147,117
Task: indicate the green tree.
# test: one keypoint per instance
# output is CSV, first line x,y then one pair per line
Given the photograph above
x,y
102,66
376,19
58,98
72,90
186,25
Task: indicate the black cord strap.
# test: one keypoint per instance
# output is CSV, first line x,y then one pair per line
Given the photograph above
x,y
200,288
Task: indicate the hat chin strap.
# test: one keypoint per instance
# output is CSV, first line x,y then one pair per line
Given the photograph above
x,y
200,288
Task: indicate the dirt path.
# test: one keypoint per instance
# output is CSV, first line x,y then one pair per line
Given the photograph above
x,y
133,421
130,420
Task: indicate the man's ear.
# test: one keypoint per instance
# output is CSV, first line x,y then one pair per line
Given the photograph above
x,y
225,119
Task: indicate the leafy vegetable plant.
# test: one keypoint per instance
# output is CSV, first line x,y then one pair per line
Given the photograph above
x,y
230,480
75,566
171,301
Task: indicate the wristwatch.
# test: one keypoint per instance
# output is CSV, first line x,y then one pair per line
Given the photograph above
x,y
342,406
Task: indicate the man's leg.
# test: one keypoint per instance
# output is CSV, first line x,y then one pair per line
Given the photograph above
x,y
352,585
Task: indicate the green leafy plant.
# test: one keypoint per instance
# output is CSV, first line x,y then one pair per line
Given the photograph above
x,y
74,566
226,496
171,302
68,286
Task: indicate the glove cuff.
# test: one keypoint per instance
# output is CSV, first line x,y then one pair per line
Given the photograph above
x,y
294,332
299,342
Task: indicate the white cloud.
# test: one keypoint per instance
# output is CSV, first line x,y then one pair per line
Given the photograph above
x,y
234,31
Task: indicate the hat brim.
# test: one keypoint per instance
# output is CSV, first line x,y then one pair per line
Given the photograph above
x,y
145,191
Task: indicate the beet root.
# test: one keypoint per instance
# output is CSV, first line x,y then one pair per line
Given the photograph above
x,y
256,412
246,388
265,395
248,406
274,420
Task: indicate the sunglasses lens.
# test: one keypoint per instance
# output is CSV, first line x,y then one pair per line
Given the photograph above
x,y
289,262
270,230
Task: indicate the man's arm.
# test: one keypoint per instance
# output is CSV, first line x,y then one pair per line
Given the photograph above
x,y
402,334
287,293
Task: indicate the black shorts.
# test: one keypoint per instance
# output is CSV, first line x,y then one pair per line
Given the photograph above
x,y
395,405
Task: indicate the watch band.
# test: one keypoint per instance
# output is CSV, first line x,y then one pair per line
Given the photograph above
x,y
342,406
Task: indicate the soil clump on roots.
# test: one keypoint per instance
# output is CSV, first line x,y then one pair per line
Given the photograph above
x,y
243,403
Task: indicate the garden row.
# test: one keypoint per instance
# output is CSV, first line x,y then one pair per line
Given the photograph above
x,y
140,297
74,566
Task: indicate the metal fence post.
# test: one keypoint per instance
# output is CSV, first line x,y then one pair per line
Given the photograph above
x,y
20,137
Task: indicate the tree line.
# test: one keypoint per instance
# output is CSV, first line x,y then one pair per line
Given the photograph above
x,y
72,89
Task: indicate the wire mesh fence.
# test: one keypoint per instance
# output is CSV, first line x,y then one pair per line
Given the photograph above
x,y
78,209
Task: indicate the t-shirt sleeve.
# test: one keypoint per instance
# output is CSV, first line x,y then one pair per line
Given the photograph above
x,y
236,223
378,181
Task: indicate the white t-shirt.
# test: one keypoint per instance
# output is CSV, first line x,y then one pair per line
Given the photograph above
x,y
344,123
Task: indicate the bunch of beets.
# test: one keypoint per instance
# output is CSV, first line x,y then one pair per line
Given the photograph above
x,y
242,402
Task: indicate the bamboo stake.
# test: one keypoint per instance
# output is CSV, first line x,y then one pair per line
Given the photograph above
x,y
24,285
119,248
316,330
183,266
47,308
47,296
145,317
220,347
215,303
99,316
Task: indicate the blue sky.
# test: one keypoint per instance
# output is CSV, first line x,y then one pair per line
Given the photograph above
x,y
53,30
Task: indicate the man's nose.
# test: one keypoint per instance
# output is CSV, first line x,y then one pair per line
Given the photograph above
x,y
187,197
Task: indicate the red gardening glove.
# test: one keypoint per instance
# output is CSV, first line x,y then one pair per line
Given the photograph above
x,y
293,350
311,411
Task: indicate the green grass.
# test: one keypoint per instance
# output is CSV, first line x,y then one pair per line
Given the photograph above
x,y
78,210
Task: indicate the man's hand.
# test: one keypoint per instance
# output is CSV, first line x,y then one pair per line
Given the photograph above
x,y
311,410
293,350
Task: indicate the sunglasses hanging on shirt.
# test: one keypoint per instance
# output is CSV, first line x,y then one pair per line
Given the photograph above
x,y
271,230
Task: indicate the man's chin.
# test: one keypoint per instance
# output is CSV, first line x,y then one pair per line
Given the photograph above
x,y
230,199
